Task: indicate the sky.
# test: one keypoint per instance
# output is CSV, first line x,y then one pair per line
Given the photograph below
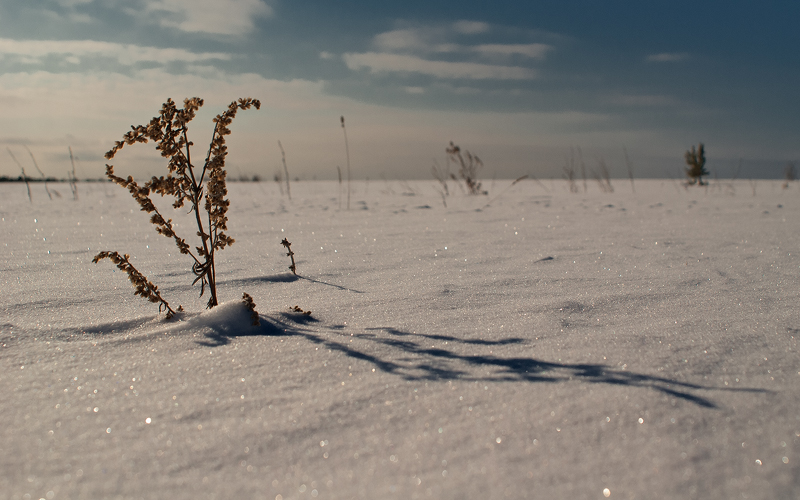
x,y
528,86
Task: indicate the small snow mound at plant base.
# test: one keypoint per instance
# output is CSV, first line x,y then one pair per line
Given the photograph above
x,y
230,318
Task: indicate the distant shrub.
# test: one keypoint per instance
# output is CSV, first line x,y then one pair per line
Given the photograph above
x,y
204,189
696,161
469,166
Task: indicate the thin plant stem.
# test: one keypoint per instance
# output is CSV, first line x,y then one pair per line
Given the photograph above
x,y
285,169
24,175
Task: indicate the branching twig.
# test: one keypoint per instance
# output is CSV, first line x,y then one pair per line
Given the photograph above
x,y
288,246
185,183
143,286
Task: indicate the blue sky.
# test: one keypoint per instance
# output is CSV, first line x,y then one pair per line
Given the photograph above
x,y
523,84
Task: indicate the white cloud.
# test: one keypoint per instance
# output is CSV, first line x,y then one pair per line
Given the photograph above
x,y
398,63
532,50
470,27
33,50
222,17
667,57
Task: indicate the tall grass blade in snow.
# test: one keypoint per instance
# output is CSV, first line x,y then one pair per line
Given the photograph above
x,y
442,175
339,171
789,174
24,175
347,152
44,177
629,164
603,177
285,169
204,189
73,179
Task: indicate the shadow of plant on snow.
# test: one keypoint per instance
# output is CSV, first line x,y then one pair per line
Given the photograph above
x,y
411,357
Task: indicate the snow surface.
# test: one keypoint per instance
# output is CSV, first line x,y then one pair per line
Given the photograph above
x,y
549,345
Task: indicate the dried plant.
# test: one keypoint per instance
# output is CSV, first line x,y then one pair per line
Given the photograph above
x,y
144,287
251,306
469,166
288,246
696,161
583,169
201,188
569,174
603,177
300,310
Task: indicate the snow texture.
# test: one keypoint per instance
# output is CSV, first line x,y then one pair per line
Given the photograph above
x,y
546,345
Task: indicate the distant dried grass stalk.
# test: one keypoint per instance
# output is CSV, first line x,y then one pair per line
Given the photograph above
x,y
569,174
144,287
789,175
24,175
72,177
187,183
347,152
603,177
285,169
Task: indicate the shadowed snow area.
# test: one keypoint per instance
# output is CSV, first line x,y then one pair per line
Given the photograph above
x,y
532,343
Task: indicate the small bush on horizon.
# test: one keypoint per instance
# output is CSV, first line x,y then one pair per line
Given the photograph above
x,y
203,189
468,168
696,161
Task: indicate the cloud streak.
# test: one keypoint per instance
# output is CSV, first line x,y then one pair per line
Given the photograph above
x,y
221,17
33,51
398,63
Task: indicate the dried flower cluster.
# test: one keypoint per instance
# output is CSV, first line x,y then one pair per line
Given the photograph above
x,y
300,310
144,287
187,183
251,306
